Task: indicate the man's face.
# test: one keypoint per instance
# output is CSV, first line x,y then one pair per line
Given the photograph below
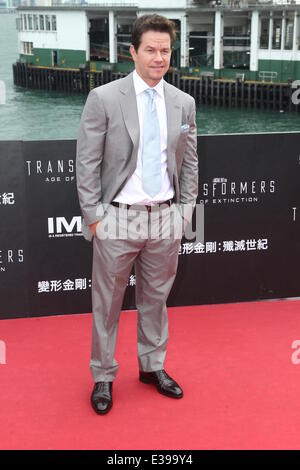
x,y
152,59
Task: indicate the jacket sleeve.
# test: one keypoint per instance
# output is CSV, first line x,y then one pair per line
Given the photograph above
x,y
188,180
89,154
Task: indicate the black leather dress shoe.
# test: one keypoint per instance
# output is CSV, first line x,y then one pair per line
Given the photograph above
x,y
101,398
163,382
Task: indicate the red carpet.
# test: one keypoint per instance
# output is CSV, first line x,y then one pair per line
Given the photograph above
x,y
241,389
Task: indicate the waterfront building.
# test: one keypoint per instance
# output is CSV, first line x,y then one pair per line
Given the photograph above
x,y
257,39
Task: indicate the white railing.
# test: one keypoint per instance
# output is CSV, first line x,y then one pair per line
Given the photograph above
x,y
106,4
239,3
267,76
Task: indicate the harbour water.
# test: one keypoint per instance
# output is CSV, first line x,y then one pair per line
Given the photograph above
x,y
40,115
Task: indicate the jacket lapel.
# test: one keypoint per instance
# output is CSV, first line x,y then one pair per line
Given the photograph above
x,y
130,115
173,108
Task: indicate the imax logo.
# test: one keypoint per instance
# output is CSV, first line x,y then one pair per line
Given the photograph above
x,y
60,227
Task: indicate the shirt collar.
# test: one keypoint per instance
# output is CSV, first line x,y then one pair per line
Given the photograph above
x,y
140,85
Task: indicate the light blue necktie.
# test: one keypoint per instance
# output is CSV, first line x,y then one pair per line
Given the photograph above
x,y
151,154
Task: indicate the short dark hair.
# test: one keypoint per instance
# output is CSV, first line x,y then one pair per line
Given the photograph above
x,y
153,22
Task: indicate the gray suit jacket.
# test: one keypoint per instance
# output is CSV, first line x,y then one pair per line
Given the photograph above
x,y
108,140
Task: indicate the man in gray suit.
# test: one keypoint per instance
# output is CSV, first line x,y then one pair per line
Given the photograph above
x,y
136,162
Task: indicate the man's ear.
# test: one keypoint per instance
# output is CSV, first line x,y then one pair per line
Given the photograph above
x,y
132,51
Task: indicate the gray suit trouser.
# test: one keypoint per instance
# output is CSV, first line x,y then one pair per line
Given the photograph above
x,y
123,239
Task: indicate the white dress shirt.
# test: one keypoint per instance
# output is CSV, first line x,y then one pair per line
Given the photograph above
x,y
132,192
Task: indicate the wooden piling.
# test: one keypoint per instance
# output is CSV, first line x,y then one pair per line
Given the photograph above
x,y
204,89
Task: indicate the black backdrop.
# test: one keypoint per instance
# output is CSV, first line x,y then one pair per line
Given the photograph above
x,y
249,185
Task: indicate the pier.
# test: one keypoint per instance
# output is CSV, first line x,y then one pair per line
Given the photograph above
x,y
205,89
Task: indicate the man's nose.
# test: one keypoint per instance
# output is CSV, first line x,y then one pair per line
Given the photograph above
x,y
158,57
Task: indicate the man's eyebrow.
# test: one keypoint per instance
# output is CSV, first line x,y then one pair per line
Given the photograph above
x,y
153,47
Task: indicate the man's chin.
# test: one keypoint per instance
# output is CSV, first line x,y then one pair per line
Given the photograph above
x,y
157,74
